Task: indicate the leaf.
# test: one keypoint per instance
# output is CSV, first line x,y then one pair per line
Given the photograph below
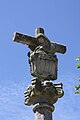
x,y
78,58
79,78
77,87
78,65
78,92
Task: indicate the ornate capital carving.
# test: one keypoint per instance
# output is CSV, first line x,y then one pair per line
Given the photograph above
x,y
43,92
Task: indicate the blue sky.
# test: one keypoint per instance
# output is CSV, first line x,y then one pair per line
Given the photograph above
x,y
61,21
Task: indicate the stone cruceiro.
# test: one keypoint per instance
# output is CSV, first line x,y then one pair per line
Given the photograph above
x,y
42,93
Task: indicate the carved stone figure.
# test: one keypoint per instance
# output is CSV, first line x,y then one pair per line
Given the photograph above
x,y
42,59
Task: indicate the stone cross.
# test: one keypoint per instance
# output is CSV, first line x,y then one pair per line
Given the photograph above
x,y
42,93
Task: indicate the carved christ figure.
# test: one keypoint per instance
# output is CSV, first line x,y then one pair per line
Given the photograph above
x,y
42,59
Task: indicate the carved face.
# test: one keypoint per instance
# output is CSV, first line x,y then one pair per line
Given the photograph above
x,y
41,40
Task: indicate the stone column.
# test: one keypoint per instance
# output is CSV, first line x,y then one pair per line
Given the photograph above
x,y
43,111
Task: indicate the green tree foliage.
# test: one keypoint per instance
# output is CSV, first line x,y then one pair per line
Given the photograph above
x,y
78,86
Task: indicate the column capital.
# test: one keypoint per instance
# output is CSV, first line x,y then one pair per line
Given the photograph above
x,y
43,92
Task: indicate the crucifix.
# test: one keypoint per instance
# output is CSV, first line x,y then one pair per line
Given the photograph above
x,y
42,93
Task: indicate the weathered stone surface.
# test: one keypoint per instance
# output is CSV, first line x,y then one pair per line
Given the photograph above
x,y
43,114
42,93
43,65
42,59
39,39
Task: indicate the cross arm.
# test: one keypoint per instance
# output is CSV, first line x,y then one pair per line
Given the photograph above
x,y
33,42
24,39
60,48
